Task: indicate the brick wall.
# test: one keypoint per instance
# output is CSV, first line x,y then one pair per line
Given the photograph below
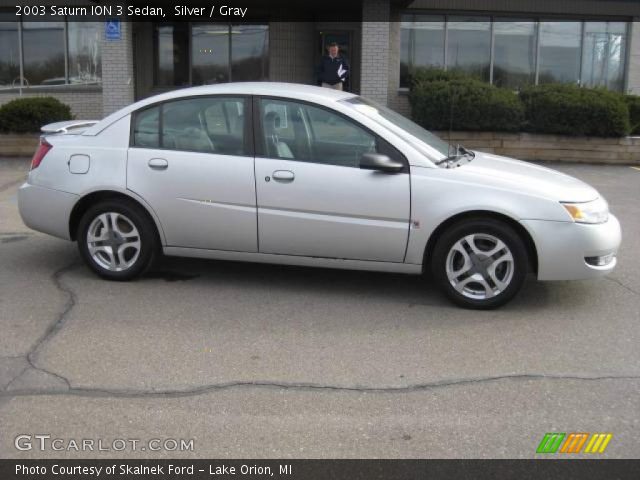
x,y
84,105
117,71
291,46
374,67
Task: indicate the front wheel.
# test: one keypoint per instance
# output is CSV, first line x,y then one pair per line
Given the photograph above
x,y
117,239
480,263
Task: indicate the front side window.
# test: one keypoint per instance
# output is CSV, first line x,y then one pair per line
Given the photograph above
x,y
298,131
202,124
425,141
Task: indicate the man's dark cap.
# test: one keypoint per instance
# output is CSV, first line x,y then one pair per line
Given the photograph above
x,y
334,44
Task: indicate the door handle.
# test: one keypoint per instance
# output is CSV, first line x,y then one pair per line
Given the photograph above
x,y
158,164
283,175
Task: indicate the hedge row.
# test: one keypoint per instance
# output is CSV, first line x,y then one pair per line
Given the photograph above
x,y
441,100
27,115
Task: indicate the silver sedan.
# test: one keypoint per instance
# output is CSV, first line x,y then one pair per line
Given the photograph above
x,y
294,174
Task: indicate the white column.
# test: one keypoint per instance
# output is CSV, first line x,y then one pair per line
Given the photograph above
x,y
117,70
374,59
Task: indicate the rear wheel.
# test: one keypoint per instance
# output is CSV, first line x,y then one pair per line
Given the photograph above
x,y
117,239
480,263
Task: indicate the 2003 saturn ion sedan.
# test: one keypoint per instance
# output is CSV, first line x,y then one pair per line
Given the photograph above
x,y
300,175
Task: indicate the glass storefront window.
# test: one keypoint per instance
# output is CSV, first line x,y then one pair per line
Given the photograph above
x,y
249,52
422,44
43,53
209,53
171,55
85,59
604,54
559,52
514,61
53,53
9,54
525,51
469,45
218,53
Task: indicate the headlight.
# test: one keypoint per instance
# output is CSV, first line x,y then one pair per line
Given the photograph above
x,y
596,211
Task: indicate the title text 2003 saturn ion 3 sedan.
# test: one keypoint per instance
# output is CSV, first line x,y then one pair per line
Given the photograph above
x,y
295,174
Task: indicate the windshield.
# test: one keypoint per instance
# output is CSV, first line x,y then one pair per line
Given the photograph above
x,y
425,141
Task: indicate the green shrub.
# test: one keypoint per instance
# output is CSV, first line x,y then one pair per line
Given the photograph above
x,y
633,104
573,110
472,104
27,115
419,75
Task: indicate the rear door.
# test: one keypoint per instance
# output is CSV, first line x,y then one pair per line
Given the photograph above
x,y
313,199
192,161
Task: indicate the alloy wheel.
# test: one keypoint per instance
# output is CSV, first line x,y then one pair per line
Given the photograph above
x,y
113,241
480,266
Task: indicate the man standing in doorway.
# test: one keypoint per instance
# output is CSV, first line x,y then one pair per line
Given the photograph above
x,y
333,70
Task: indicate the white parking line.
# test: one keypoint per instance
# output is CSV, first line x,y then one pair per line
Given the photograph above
x,y
636,168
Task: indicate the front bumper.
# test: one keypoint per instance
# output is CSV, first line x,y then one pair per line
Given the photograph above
x,y
564,246
45,209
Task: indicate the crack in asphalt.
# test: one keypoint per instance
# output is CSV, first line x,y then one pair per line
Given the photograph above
x,y
201,390
61,317
52,329
619,282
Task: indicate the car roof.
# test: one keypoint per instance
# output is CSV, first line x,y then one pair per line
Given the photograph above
x,y
278,89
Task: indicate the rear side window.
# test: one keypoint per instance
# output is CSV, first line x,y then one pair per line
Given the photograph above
x,y
204,124
146,126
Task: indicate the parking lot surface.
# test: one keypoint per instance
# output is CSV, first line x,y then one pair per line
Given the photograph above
x,y
256,361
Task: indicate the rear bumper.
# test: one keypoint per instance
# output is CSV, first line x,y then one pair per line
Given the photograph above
x,y
46,210
564,246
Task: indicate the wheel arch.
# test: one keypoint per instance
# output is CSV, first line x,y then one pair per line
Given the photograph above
x,y
91,198
481,214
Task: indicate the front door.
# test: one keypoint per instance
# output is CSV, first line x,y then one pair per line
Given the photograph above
x,y
313,199
192,161
343,39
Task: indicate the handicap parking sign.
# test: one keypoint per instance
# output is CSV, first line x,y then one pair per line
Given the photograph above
x,y
112,29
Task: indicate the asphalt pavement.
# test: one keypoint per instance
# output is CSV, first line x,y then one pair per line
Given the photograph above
x,y
260,361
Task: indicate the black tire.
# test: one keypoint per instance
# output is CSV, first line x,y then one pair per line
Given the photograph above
x,y
483,230
129,214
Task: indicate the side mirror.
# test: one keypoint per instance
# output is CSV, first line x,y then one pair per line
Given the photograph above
x,y
380,162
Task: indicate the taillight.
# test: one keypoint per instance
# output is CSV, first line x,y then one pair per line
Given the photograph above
x,y
43,149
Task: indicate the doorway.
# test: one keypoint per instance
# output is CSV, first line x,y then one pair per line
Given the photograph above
x,y
344,40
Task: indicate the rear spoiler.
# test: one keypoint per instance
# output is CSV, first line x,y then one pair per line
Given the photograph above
x,y
67,126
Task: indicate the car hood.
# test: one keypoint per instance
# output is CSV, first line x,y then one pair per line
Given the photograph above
x,y
526,177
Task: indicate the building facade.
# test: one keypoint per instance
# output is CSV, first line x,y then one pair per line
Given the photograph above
x,y
510,43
